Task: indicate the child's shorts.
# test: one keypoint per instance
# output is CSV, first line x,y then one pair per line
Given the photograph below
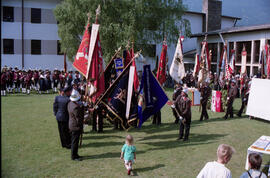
x,y
127,161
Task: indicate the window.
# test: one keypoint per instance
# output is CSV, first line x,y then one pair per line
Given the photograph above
x,y
213,48
59,48
35,15
239,48
257,52
35,46
8,14
8,45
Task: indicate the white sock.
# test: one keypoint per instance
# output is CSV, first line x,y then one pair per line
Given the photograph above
x,y
4,92
28,91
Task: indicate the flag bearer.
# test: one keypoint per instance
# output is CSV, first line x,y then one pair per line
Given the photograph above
x,y
183,105
205,93
3,82
232,92
244,97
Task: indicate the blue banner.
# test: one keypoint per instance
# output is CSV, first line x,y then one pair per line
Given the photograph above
x,y
119,66
152,97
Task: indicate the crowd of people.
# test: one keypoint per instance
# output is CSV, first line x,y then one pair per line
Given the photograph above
x,y
72,111
39,81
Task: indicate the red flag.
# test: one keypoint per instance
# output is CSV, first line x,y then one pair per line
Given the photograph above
x,y
161,73
81,59
227,70
267,51
136,79
96,72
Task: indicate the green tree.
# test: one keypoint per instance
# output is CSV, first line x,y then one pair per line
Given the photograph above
x,y
141,21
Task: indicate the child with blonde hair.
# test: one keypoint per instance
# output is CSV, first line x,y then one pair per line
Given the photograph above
x,y
128,153
217,169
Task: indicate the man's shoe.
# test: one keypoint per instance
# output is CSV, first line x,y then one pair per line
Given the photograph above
x,y
179,138
77,159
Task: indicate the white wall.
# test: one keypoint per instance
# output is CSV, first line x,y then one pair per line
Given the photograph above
x,y
44,4
36,61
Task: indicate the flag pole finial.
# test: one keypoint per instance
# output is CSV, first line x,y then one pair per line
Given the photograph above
x,y
89,16
98,11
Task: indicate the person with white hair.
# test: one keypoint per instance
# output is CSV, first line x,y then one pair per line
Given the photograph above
x,y
76,117
217,169
183,106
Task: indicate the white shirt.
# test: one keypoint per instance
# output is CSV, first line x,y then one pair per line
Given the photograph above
x,y
254,174
214,170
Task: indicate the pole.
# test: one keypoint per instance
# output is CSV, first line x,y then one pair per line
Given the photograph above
x,y
22,34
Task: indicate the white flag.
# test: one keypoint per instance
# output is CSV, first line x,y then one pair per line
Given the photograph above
x,y
177,69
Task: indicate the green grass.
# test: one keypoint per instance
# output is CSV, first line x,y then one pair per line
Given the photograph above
x,y
31,145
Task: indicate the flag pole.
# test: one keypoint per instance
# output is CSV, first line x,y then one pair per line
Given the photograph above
x,y
118,78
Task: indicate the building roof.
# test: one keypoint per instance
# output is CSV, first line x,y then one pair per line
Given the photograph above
x,y
234,30
201,13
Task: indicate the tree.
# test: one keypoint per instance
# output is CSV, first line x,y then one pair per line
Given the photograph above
x,y
141,21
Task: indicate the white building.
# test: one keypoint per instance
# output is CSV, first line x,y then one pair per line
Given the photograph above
x,y
253,37
29,35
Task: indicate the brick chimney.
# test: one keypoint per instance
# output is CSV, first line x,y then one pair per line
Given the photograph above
x,y
212,10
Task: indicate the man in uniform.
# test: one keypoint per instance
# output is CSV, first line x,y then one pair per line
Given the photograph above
x,y
205,93
157,118
3,82
61,112
183,105
232,92
244,97
76,117
176,93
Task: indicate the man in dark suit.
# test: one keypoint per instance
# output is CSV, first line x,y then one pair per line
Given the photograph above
x,y
61,113
232,92
76,117
205,91
183,105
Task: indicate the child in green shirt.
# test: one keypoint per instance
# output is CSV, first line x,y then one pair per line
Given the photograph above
x,y
128,153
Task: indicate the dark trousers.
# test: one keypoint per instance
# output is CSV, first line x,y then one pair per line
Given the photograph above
x,y
204,112
55,83
185,127
117,124
157,118
64,134
97,115
229,109
244,103
176,116
75,137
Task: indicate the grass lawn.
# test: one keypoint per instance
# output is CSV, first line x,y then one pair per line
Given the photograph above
x,y
31,145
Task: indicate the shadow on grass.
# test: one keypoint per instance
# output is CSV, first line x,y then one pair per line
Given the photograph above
x,y
145,169
101,144
100,137
194,139
107,155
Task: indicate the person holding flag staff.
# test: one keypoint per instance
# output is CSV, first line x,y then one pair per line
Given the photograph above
x,y
205,93
183,106
76,117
